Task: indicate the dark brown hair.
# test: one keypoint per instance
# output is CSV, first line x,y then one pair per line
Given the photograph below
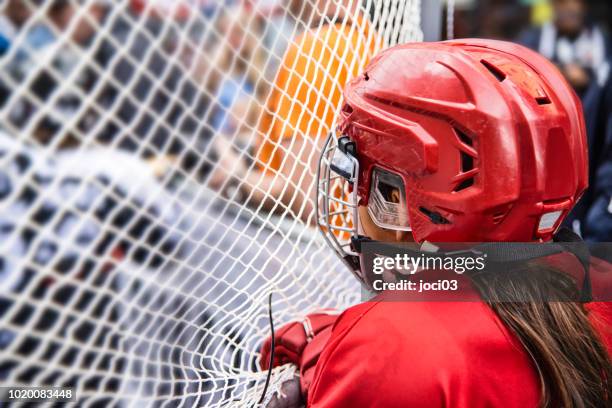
x,y
538,304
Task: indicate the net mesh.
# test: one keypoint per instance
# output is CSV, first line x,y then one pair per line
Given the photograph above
x,y
157,161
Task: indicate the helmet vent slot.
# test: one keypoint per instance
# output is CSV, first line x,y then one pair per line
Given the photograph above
x,y
434,216
497,73
543,100
467,162
469,182
467,157
465,139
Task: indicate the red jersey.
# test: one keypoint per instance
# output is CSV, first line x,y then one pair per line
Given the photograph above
x,y
428,354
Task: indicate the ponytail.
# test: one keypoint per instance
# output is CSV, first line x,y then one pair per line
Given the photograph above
x,y
572,362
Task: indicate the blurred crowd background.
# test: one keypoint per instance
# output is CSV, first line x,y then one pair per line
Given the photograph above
x,y
129,257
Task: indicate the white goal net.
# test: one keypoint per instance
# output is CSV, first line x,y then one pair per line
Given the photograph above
x,y
156,185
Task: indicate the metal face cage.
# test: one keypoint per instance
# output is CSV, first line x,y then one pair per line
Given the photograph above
x,y
337,199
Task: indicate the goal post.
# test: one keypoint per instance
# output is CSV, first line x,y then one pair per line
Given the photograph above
x,y
142,223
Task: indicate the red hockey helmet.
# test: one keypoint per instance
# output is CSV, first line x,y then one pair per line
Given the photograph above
x,y
484,139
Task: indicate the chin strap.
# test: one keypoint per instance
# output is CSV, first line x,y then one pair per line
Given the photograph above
x,y
580,251
565,240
